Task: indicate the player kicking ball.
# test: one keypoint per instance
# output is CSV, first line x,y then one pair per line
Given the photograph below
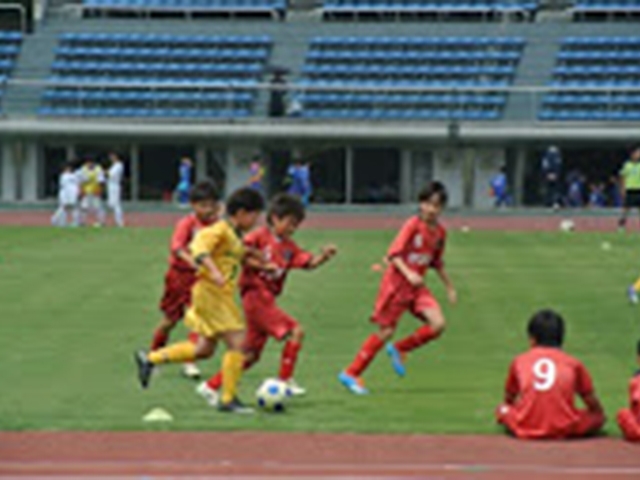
x,y
262,283
542,385
419,246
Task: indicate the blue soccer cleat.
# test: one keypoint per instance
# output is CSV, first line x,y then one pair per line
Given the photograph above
x,y
632,294
354,384
396,360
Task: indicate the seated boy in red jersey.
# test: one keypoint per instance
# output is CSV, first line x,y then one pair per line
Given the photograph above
x,y
181,274
262,281
629,418
418,247
542,384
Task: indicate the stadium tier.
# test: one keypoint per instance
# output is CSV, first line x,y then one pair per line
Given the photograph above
x,y
114,75
9,49
339,70
267,7
598,63
605,8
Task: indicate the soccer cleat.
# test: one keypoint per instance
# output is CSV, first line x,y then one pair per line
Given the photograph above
x,y
354,384
191,370
209,394
295,389
145,367
632,294
396,360
235,406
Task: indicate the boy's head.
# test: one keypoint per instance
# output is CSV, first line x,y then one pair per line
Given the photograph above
x,y
67,167
286,213
186,161
546,329
245,206
635,153
204,200
433,198
114,157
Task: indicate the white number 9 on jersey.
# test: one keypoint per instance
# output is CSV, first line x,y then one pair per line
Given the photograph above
x,y
544,371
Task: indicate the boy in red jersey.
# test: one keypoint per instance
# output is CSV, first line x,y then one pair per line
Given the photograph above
x,y
418,247
181,274
542,385
629,418
263,281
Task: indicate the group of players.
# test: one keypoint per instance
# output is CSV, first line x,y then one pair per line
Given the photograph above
x,y
80,191
212,256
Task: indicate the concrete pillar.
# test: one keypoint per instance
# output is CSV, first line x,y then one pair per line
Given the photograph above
x,y
237,167
70,152
9,174
134,156
348,175
29,171
519,176
201,163
448,167
405,176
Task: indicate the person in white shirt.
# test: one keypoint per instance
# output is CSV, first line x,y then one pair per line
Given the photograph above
x,y
114,188
68,194
92,178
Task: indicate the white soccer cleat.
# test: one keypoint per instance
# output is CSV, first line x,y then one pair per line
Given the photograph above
x,y
191,370
295,389
632,295
210,395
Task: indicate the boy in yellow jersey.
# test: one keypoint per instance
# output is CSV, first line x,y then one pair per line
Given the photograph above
x,y
214,314
630,185
92,178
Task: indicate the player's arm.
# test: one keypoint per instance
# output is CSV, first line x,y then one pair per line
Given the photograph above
x,y
180,242
326,253
397,248
512,386
584,388
452,294
412,277
201,248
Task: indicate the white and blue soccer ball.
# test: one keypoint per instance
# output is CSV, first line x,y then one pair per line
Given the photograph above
x,y
273,395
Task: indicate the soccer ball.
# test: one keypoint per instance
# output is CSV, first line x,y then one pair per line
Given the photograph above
x,y
273,395
567,225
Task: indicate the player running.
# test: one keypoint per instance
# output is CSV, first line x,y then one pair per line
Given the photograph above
x,y
629,418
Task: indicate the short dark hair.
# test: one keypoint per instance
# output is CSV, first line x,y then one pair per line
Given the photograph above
x,y
546,327
204,191
245,199
434,188
286,205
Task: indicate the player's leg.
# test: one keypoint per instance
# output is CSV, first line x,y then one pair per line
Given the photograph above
x,y
629,425
173,304
232,367
99,209
190,369
289,359
84,210
58,219
622,221
632,291
589,423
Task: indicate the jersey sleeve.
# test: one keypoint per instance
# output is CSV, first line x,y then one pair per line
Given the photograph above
x,y
253,240
399,244
207,240
634,392
512,384
181,235
301,258
437,261
624,170
584,384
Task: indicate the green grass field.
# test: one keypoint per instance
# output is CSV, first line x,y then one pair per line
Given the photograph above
x,y
75,304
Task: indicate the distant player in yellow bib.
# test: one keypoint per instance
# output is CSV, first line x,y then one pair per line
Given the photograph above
x,y
91,180
214,313
630,185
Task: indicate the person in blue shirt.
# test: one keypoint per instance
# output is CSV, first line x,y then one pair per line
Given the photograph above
x,y
256,175
300,181
184,182
500,188
551,165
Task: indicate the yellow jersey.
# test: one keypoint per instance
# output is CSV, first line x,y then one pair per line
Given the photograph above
x,y
92,179
223,244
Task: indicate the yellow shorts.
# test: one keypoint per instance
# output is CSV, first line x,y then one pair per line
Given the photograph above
x,y
213,313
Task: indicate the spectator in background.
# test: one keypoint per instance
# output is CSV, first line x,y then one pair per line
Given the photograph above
x,y
630,185
299,174
184,182
613,192
575,190
256,175
597,198
500,188
552,171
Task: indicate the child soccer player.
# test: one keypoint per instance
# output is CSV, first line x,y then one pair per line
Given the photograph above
x,y
261,284
68,193
218,251
542,385
114,188
182,269
92,178
418,247
629,418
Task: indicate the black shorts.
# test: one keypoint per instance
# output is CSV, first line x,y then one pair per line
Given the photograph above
x,y
632,199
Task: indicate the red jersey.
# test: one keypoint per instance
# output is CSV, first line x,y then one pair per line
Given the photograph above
x,y
183,233
546,381
634,395
284,253
420,246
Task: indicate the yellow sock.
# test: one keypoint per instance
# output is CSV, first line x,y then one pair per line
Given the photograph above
x,y
231,373
176,353
636,286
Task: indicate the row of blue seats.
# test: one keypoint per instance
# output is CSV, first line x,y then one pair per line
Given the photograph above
x,y
484,6
410,99
386,42
107,68
199,5
6,64
144,112
601,41
603,5
9,50
239,54
624,55
147,96
412,55
445,85
589,115
10,37
401,114
600,99
82,81
164,39
407,70
597,70
594,83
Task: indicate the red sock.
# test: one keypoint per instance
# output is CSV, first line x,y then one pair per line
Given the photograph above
x,y
215,382
193,337
160,339
418,338
288,360
367,352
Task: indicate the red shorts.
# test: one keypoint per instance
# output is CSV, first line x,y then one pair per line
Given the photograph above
x,y
177,293
393,302
264,319
587,423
